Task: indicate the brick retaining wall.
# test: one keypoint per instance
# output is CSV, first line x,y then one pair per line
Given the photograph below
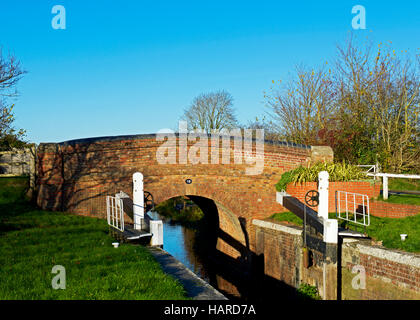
x,y
371,189
390,274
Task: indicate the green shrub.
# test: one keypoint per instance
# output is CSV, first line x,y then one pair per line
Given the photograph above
x,y
187,216
340,171
307,291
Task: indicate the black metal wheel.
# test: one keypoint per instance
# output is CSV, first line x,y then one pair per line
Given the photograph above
x,y
312,198
149,203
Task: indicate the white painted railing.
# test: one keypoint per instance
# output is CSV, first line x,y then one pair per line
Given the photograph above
x,y
385,177
352,207
115,212
371,168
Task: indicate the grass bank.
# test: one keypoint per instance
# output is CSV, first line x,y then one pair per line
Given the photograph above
x,y
33,241
402,199
387,230
399,184
404,184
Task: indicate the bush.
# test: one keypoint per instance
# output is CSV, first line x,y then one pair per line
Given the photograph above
x,y
188,215
307,291
340,171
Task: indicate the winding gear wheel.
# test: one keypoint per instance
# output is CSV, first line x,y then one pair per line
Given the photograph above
x,y
312,198
149,203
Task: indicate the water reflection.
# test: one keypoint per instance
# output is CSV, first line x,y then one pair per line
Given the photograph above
x,y
180,242
196,249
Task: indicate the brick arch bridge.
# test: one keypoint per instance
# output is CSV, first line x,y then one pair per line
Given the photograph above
x,y
76,176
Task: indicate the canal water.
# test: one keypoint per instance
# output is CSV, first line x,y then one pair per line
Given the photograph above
x,y
196,249
181,242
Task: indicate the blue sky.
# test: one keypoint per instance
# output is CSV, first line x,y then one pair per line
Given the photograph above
x,y
131,67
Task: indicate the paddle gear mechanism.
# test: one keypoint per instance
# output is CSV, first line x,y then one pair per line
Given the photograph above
x,y
312,198
149,203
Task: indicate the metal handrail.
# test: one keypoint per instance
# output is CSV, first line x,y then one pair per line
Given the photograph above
x,y
364,204
115,212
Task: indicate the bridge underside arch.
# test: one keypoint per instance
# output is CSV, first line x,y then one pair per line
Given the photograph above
x,y
231,234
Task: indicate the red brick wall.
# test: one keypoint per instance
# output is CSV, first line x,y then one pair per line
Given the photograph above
x,y
393,210
386,279
281,255
399,273
76,176
361,187
377,208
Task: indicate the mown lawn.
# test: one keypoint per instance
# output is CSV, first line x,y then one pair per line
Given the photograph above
x,y
404,184
386,229
402,198
33,241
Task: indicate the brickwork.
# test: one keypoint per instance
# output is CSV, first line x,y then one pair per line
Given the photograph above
x,y
371,189
281,251
390,274
393,210
363,187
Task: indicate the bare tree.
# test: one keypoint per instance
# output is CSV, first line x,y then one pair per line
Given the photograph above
x,y
301,107
378,97
366,107
10,73
211,112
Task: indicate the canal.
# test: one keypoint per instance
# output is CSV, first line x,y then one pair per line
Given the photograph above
x,y
195,247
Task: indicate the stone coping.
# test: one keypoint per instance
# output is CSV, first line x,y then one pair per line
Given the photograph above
x,y
277,226
407,258
154,135
196,288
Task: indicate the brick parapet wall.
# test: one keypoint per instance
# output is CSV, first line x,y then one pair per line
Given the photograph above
x,y
371,189
393,210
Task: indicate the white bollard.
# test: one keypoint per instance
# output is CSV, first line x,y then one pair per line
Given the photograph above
x,y
156,228
330,225
323,194
138,200
331,231
385,187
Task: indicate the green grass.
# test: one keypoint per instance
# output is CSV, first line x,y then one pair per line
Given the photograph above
x,y
402,198
306,291
403,184
287,217
33,241
386,229
13,189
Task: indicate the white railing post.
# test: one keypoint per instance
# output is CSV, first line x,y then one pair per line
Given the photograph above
x,y
330,225
156,228
385,187
323,194
138,200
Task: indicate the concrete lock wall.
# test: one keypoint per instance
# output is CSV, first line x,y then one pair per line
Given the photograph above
x,y
19,162
388,274
77,175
